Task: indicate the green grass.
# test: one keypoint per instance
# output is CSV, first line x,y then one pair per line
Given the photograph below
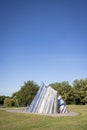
x,y
22,121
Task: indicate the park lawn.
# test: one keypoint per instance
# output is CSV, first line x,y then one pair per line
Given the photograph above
x,y
23,121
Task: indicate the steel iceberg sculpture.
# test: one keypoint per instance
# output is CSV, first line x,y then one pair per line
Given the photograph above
x,y
47,101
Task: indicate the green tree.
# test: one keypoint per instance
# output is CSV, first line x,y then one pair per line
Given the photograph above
x,y
6,102
9,102
2,100
80,88
64,89
26,94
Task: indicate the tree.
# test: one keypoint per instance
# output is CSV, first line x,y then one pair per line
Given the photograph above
x,y
26,94
80,87
75,94
2,100
64,89
9,102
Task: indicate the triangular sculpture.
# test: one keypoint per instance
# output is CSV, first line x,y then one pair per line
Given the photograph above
x,y
47,101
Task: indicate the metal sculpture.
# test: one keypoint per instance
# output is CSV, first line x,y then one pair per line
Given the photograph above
x,y
47,101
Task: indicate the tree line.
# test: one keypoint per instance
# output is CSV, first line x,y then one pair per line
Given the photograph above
x,y
72,94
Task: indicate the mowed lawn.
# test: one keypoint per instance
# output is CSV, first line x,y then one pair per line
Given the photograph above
x,y
23,121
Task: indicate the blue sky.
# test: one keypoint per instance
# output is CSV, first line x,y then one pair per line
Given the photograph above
x,y
42,40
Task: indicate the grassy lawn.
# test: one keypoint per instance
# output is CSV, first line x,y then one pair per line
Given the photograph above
x,y
23,121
